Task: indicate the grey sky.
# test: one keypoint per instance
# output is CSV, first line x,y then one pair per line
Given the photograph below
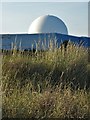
x,y
17,16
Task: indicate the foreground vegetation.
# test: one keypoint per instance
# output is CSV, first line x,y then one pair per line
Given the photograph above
x,y
49,84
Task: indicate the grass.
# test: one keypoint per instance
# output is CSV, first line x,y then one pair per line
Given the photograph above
x,y
48,84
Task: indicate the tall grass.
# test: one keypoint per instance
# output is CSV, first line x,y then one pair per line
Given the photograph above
x,y
46,84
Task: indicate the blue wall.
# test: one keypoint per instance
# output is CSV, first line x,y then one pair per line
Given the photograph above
x,y
26,40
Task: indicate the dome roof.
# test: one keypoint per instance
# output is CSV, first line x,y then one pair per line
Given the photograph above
x,y
48,24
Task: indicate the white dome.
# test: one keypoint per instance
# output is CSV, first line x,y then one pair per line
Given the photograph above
x,y
48,24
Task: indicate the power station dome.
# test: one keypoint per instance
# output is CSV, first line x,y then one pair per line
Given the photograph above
x,y
48,24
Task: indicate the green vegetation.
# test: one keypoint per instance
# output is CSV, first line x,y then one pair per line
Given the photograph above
x,y
49,84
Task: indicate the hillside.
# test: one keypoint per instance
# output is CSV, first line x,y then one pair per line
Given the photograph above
x,y
46,84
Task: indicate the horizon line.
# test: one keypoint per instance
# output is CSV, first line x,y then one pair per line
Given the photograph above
x,y
43,33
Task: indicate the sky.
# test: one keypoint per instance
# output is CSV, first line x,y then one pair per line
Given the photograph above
x,y
44,0
17,16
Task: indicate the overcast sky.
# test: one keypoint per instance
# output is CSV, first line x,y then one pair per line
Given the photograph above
x,y
17,16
